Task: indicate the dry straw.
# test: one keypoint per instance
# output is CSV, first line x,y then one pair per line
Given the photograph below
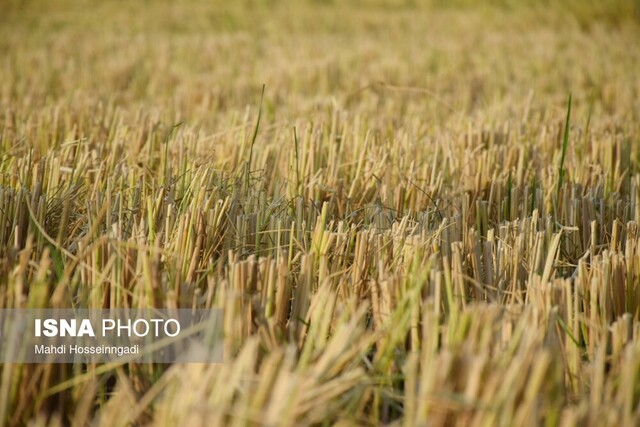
x,y
412,226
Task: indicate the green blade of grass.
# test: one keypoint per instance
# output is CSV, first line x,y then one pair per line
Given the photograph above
x,y
565,143
253,142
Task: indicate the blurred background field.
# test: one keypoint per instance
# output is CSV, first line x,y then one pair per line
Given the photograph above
x,y
412,225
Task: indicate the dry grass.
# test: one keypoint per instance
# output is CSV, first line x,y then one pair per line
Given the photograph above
x,y
407,236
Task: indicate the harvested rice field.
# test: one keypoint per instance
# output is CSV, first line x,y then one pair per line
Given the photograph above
x,y
410,212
